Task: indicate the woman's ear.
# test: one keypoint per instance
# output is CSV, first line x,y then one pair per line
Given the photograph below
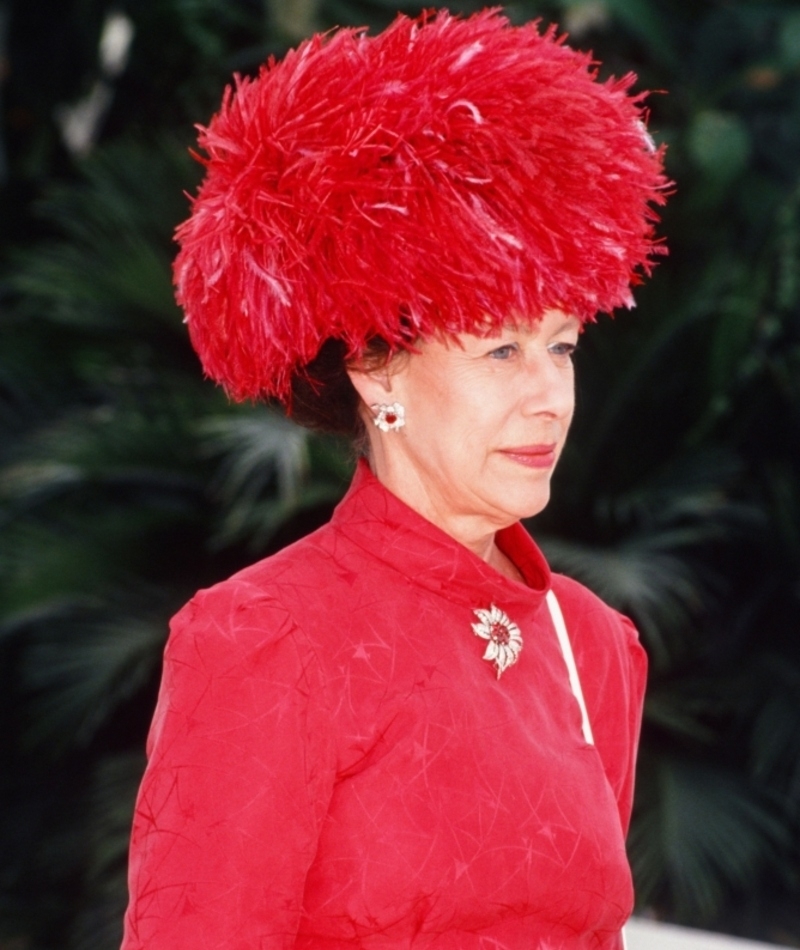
x,y
374,386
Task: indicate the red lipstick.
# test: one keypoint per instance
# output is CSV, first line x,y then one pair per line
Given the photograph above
x,y
533,456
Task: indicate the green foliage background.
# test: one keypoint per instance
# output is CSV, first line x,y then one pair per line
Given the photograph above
x,y
126,482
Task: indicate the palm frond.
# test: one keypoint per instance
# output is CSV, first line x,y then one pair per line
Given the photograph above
x,y
114,785
109,260
143,443
683,709
256,448
263,474
701,832
657,588
98,925
77,672
775,735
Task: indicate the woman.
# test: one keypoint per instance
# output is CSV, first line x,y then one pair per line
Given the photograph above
x,y
403,730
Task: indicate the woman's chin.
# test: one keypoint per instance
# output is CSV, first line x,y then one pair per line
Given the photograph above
x,y
525,503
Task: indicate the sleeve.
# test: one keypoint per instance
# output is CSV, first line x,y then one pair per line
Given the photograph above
x,y
239,778
620,715
612,665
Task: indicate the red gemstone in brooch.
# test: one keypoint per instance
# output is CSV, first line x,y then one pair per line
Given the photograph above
x,y
505,639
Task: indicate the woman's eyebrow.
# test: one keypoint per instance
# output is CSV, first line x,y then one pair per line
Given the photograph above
x,y
569,323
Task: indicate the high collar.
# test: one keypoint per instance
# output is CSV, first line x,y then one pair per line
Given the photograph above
x,y
384,526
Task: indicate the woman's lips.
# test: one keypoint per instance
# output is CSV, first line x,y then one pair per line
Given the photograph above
x,y
534,456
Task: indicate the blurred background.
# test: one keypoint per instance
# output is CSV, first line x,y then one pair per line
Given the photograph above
x,y
127,482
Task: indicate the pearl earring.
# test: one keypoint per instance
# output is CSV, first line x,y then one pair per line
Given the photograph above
x,y
389,418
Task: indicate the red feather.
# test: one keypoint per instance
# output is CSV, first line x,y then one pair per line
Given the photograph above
x,y
444,175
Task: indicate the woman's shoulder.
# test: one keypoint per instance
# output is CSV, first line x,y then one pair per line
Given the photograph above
x,y
589,615
605,641
263,602
610,658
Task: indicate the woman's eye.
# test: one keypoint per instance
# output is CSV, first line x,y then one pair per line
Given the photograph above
x,y
565,350
504,352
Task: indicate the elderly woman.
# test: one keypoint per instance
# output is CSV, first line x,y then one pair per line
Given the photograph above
x,y
404,731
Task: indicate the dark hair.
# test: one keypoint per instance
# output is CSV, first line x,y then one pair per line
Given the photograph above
x,y
324,399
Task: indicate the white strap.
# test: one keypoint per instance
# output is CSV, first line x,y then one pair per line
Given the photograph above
x,y
569,659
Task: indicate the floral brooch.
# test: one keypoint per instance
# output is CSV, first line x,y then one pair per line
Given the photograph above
x,y
505,639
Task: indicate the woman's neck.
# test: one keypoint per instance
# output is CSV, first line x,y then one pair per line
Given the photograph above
x,y
475,534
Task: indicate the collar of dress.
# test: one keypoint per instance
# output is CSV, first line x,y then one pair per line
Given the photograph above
x,y
391,532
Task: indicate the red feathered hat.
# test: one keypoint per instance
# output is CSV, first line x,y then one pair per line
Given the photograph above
x,y
441,176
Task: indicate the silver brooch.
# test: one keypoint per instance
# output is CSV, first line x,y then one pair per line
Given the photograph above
x,y
505,639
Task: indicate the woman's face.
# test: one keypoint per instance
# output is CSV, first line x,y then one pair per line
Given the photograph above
x,y
486,420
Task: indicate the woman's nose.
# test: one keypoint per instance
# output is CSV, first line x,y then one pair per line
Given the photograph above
x,y
549,388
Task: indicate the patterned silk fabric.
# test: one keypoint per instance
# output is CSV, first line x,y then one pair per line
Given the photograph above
x,y
333,764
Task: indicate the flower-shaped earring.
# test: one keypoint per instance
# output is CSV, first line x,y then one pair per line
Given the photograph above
x,y
389,418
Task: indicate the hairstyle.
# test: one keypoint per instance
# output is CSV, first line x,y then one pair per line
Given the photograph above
x,y
322,396
438,177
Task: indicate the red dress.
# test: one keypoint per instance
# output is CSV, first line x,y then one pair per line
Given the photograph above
x,y
333,764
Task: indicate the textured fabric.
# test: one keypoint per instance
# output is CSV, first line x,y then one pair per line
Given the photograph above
x,y
333,764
